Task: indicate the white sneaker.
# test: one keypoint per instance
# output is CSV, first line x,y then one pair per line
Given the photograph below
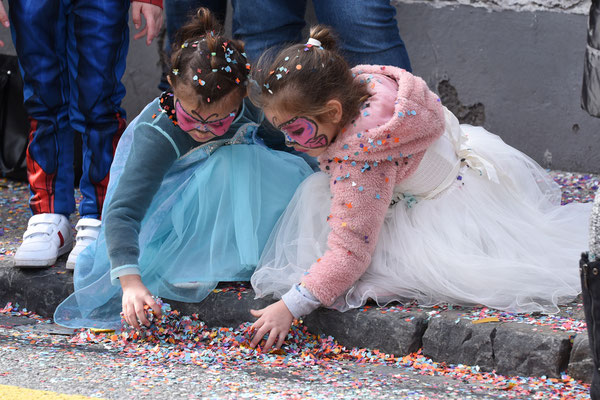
x,y
47,237
87,232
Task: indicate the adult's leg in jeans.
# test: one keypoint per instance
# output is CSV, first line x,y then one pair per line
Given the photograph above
x,y
368,31
39,34
177,13
590,285
266,24
98,39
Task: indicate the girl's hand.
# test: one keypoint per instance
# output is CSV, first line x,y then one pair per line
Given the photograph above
x,y
135,297
275,320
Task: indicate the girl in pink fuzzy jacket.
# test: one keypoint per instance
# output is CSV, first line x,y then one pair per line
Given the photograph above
x,y
409,204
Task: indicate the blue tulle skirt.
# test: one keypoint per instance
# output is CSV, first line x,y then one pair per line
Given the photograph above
x,y
208,223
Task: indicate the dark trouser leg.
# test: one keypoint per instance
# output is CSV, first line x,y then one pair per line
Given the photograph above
x,y
590,285
39,33
98,40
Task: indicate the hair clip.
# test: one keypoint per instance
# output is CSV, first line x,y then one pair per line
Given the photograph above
x,y
313,42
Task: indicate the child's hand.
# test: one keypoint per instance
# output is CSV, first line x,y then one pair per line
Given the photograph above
x,y
275,320
154,20
135,297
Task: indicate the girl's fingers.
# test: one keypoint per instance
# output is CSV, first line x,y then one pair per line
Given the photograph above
x,y
141,313
259,335
126,312
270,341
131,318
257,313
282,337
258,323
155,307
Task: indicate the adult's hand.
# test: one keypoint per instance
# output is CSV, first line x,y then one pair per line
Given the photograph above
x,y
153,16
3,19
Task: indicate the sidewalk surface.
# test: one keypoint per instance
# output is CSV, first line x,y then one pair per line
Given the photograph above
x,y
546,346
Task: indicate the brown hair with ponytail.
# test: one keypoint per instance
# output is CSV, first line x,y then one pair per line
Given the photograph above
x,y
303,78
203,59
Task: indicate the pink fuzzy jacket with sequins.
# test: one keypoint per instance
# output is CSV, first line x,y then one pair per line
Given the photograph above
x,y
377,150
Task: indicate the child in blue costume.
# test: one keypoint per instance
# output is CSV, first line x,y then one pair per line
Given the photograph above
x,y
194,191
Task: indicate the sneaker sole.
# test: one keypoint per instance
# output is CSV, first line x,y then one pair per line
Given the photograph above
x,y
37,263
70,264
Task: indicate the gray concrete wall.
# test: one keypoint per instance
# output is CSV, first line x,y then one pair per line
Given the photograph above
x,y
514,66
521,69
564,6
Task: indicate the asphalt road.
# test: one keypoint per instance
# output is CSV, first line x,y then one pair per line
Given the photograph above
x,y
42,356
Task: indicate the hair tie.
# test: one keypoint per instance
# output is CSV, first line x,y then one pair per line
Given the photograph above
x,y
314,42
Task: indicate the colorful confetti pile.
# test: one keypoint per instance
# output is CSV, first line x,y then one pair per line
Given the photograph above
x,y
180,339
576,187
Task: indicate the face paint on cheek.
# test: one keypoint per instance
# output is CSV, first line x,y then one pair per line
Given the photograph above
x,y
189,123
304,132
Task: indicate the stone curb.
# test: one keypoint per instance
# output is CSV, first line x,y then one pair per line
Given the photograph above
x,y
506,347
509,348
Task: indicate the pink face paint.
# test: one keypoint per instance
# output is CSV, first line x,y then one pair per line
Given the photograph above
x,y
304,132
188,123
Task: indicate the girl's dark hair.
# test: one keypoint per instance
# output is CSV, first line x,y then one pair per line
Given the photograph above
x,y
205,60
303,78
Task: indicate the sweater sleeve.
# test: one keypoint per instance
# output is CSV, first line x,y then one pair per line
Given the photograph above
x,y
361,197
152,154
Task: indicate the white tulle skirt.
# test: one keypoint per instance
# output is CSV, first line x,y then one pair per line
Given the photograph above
x,y
506,244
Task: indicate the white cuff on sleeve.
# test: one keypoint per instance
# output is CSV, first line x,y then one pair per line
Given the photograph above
x,y
129,269
300,301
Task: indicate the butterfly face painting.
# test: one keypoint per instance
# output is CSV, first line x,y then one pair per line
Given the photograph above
x,y
303,131
188,123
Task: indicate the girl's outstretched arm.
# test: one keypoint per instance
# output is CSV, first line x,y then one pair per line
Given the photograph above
x,y
361,196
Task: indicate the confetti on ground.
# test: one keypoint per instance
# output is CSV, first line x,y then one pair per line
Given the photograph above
x,y
176,339
576,187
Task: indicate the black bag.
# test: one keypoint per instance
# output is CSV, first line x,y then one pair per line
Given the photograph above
x,y
14,124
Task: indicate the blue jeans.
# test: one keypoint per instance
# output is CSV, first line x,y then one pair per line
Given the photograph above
x,y
367,29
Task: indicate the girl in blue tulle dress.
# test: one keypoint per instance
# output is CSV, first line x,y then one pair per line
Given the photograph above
x,y
196,188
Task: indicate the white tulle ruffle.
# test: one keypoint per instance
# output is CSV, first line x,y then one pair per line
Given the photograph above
x,y
505,243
